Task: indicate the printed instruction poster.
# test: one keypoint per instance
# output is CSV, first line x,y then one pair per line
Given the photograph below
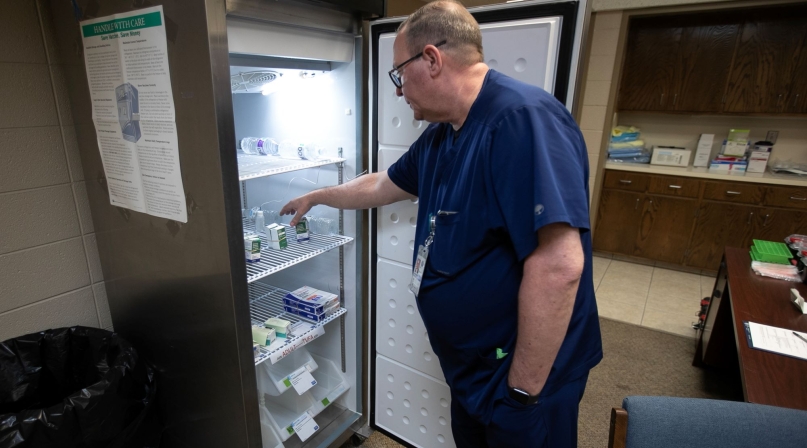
x,y
133,110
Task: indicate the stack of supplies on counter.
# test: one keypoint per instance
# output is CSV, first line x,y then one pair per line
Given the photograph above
x,y
625,146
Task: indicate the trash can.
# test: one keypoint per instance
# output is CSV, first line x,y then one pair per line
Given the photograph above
x,y
76,387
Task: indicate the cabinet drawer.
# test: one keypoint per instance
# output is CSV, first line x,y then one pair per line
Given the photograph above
x,y
733,192
684,187
793,197
624,180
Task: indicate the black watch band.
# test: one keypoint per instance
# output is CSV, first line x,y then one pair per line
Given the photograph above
x,y
522,397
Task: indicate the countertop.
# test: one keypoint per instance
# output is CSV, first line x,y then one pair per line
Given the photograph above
x,y
704,173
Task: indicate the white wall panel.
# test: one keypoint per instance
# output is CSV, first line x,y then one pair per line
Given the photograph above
x,y
413,406
400,333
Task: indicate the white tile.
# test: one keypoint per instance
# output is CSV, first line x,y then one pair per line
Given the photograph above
x,y
31,158
599,268
622,312
608,20
72,151
597,93
32,275
62,96
593,161
677,323
83,203
674,291
27,96
73,308
601,68
35,217
93,259
626,283
20,33
593,118
593,141
604,42
101,302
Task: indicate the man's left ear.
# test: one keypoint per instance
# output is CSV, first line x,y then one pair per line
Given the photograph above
x,y
434,58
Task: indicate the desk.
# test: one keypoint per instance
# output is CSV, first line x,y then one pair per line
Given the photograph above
x,y
740,295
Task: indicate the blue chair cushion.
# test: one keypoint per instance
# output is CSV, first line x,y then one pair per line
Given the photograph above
x,y
668,422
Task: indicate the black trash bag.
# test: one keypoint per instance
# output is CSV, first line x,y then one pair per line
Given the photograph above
x,y
75,387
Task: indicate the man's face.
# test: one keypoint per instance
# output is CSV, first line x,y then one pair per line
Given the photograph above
x,y
414,78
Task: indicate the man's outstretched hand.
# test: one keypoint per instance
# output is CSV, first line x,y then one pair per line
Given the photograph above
x,y
297,207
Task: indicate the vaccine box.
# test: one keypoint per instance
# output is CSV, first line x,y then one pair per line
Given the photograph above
x,y
263,336
302,230
734,149
281,326
276,236
312,299
670,156
704,151
758,161
252,248
728,167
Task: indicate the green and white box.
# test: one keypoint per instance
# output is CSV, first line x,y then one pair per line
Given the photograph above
x,y
252,248
276,235
263,336
280,326
302,230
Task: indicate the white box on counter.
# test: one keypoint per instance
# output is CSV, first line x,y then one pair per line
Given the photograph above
x,y
704,151
670,156
758,161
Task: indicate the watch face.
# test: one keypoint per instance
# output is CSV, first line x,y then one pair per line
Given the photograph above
x,y
519,395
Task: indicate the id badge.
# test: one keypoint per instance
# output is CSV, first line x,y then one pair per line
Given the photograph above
x,y
417,271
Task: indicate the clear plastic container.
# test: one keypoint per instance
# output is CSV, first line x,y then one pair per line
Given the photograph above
x,y
331,383
284,409
273,378
269,437
306,151
259,146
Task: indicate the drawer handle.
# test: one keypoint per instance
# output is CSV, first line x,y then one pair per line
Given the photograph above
x,y
732,192
623,181
750,216
796,198
675,186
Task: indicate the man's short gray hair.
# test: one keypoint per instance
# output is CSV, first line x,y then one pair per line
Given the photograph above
x,y
444,20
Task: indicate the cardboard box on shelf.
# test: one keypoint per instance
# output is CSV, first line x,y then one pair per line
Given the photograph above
x,y
670,156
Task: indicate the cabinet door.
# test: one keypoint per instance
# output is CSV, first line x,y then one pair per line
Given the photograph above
x,y
765,61
797,98
705,61
774,224
617,221
719,225
665,226
651,66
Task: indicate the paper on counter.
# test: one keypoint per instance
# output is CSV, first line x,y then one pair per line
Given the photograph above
x,y
776,340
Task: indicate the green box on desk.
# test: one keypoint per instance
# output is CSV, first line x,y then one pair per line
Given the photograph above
x,y
770,252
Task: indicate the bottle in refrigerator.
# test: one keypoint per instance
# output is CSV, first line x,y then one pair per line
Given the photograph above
x,y
306,151
259,146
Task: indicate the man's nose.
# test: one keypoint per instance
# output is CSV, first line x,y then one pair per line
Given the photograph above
x,y
399,91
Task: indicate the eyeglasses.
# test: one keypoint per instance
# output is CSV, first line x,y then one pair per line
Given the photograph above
x,y
395,75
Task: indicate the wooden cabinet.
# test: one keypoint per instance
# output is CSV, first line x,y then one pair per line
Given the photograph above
x,y
664,229
749,61
720,225
767,55
690,221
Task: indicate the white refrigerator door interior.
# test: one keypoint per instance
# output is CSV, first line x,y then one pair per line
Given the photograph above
x,y
412,399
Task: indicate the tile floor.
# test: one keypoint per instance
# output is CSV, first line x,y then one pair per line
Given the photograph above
x,y
649,296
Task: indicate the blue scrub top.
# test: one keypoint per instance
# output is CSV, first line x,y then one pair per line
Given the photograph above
x,y
518,164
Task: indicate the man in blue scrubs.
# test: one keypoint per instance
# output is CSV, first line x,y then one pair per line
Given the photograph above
x,y
503,276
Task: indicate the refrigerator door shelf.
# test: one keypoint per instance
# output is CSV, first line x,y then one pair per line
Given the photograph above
x,y
274,260
275,379
282,410
266,301
253,167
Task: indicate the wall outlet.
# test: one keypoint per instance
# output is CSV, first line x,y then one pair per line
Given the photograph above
x,y
772,136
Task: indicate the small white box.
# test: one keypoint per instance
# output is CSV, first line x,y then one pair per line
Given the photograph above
x,y
728,167
735,149
252,248
670,156
276,236
757,161
704,151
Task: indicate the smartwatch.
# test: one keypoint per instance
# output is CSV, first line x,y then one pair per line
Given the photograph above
x,y
522,397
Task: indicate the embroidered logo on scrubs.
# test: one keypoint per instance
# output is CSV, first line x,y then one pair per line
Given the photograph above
x,y
500,354
539,209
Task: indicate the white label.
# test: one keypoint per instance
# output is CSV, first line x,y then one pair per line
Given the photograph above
x,y
305,426
418,269
302,381
126,59
297,342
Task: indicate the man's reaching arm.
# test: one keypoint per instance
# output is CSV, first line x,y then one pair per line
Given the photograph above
x,y
368,191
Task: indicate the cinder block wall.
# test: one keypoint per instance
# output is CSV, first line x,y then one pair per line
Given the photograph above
x,y
50,273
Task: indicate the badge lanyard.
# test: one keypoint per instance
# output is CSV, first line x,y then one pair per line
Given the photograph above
x,y
423,253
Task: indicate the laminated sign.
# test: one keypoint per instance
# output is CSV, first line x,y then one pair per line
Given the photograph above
x,y
126,57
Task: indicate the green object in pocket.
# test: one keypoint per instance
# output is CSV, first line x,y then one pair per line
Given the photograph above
x,y
500,354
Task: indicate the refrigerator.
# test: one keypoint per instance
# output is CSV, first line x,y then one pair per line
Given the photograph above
x,y
307,76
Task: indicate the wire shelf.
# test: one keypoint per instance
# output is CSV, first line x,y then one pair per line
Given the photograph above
x,y
252,166
273,260
266,301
